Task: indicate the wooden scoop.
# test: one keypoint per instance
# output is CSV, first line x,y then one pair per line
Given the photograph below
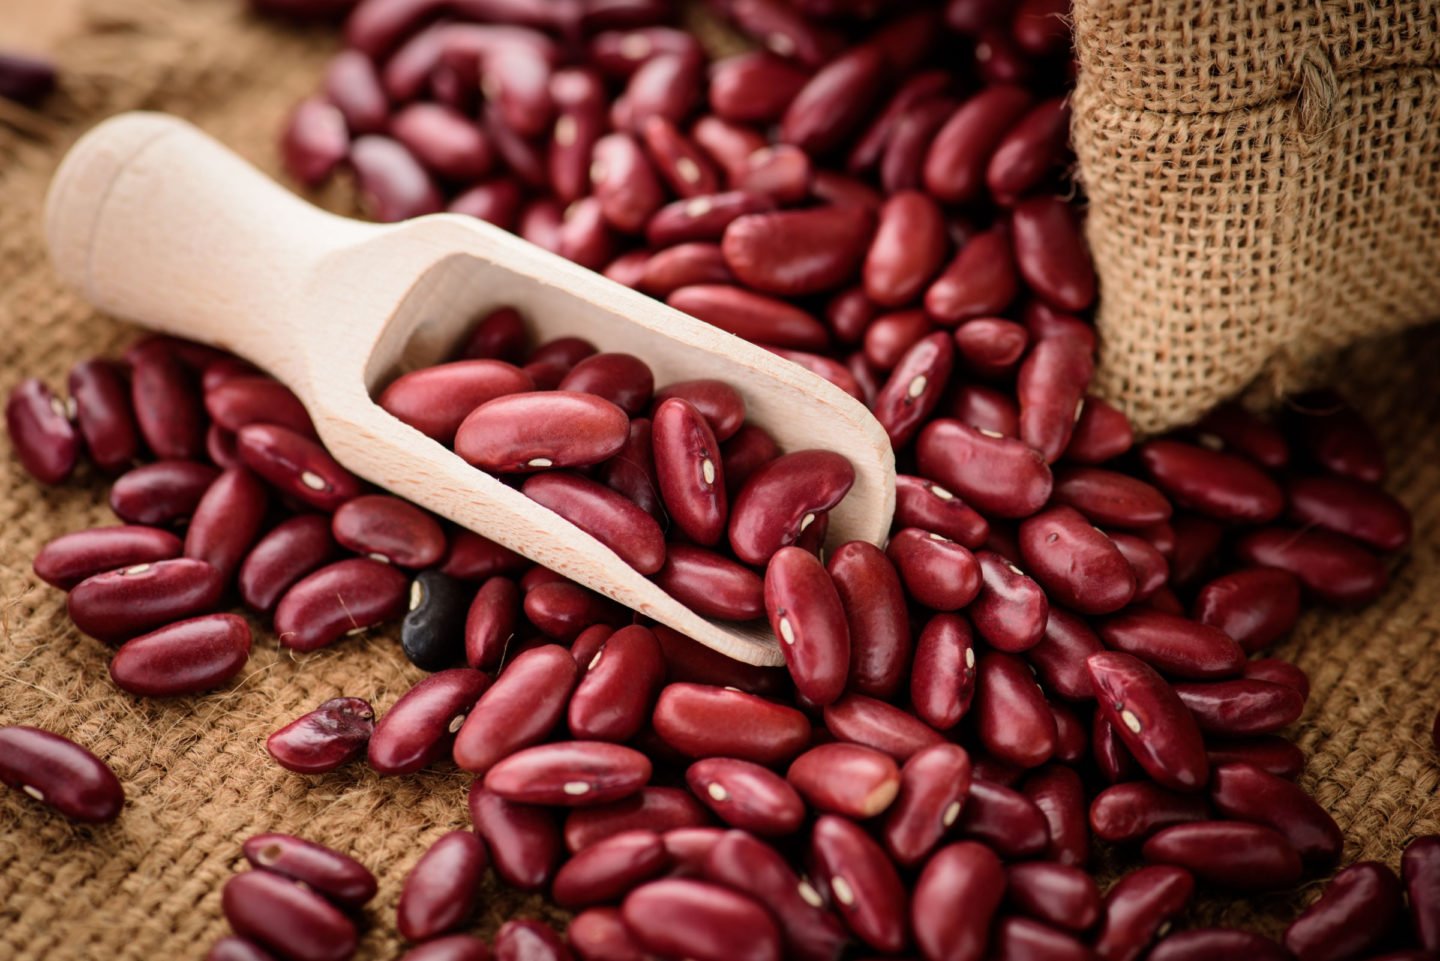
x,y
153,221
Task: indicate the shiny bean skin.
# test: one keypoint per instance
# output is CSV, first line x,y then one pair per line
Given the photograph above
x,y
809,931
41,432
1021,939
1050,253
890,336
237,949
161,493
238,401
167,402
1275,670
781,499
878,724
1012,719
1057,791
1004,819
1076,564
1054,893
1011,610
454,947
719,924
315,141
1111,498
753,87
1029,151
847,779
991,347
1241,706
418,729
961,873
54,770
662,809
540,430
608,870
518,710
446,143
599,934
1134,810
342,598
934,784
689,470
609,517
393,183
1151,718
1173,645
1244,792
756,317
874,603
1151,570
71,558
1051,389
928,506
979,282
1332,568
689,847
702,721
442,889
323,739
569,773
834,103
711,584
227,521
1112,757
1216,484
622,379
1420,869
1137,907
998,476
103,414
747,796
1229,854
687,660
720,404
631,471
616,696
296,466
286,917
909,246
793,253
120,604
914,388
936,571
291,550
388,528
1102,433
523,840
1269,752
807,616
185,657
436,400
862,882
1216,944
340,878
1256,606
955,165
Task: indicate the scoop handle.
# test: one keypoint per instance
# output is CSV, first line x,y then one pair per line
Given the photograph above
x,y
153,221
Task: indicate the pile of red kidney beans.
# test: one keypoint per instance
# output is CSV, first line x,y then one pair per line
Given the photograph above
x,y
1061,647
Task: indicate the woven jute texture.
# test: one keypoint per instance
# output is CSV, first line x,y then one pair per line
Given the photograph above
x,y
1264,186
195,770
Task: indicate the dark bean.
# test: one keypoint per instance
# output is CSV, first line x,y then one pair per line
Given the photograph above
x,y
432,634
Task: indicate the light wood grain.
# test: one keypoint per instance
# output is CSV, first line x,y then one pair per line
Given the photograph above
x,y
153,221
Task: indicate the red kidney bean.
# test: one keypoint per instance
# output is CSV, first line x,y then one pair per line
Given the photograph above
x,y
615,697
1056,790
683,265
562,610
1279,672
848,779
1334,569
1357,509
831,370
338,877
609,517
703,721
955,166
454,947
934,784
862,882
238,401
1270,753
1111,498
891,336
1114,760
529,941
661,809
1016,939
1174,645
162,492
747,796
796,252
436,400
809,931
606,871
1054,893
237,949
1214,483
996,475
393,184
848,314
475,558
296,466
442,890
1101,434
26,79
1011,610
496,201
523,840
1420,868
599,934
1151,570
754,317
924,87
807,616
1136,809
687,660
287,917
980,281
991,346
1059,656
1139,905
1336,436
833,104
753,87
936,571
227,521
902,165
873,723
631,472
666,85
1030,151
711,584
1013,720
419,728
389,529
1050,253
928,506
1256,606
625,182
353,86
874,604
1006,820
908,248
720,404
1230,854
961,873
71,558
1051,390
1151,718
1245,792
346,597
781,174
103,413
702,218
535,431
689,471
56,771
579,97
1196,540
914,388
684,167
292,549
985,409
746,452
185,657
1232,426
622,379
719,925
1076,563
781,499
1072,737
519,710
121,604
1208,944
325,738
1241,706
167,404
315,141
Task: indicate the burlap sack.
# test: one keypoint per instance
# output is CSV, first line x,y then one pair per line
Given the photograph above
x,y
1264,187
197,778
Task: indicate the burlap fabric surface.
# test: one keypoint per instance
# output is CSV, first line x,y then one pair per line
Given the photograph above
x,y
197,778
1264,185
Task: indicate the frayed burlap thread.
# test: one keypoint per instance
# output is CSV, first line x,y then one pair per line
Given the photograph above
x,y
1264,189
